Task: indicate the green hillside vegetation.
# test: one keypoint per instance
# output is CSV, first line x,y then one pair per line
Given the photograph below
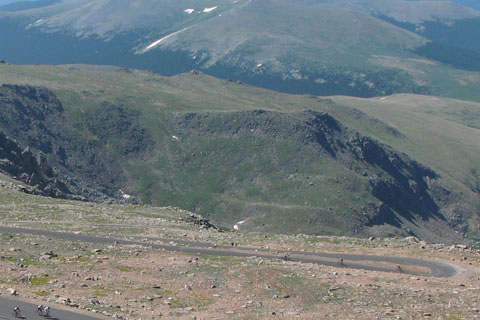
x,y
234,152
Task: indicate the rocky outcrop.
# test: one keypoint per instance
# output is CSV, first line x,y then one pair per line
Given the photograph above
x,y
35,120
33,170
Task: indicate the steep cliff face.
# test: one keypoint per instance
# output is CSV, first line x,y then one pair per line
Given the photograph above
x,y
34,118
33,170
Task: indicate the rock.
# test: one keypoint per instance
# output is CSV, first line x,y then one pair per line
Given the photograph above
x,y
12,291
412,240
50,254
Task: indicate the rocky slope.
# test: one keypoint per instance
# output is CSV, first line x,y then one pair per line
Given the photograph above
x,y
34,171
250,159
273,171
384,186
34,118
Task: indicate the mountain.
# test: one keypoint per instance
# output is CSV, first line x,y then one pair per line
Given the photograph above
x,y
324,47
469,3
232,152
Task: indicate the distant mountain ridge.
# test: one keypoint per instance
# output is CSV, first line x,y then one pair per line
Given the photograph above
x,y
322,47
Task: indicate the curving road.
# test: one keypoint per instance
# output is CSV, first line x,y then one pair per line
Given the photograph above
x,y
28,311
354,261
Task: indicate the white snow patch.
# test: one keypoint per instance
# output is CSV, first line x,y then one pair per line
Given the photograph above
x,y
236,227
156,43
189,11
36,23
206,10
124,195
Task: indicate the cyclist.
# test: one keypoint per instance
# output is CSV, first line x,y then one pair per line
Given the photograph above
x,y
46,311
39,310
16,312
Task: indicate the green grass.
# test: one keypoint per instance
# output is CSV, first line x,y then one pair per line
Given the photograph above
x,y
42,293
199,300
125,269
419,119
28,261
41,280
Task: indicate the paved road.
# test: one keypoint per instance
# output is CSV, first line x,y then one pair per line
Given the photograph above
x,y
28,311
353,261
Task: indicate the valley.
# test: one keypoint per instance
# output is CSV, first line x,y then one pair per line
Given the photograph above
x,y
240,159
231,152
362,48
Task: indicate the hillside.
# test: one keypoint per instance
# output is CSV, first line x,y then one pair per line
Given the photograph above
x,y
359,48
144,262
279,163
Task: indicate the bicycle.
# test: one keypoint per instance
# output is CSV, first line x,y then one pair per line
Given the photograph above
x,y
46,312
17,313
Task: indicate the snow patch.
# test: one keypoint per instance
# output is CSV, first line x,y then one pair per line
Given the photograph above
x,y
236,227
189,11
156,43
124,195
36,23
206,10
